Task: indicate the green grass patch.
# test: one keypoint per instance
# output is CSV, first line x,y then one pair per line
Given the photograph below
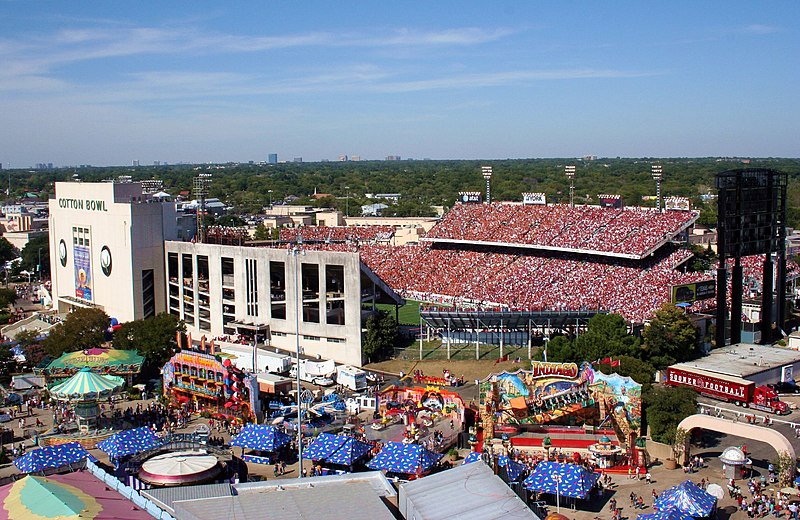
x,y
437,350
408,314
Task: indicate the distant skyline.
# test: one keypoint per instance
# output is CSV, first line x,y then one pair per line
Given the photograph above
x,y
110,83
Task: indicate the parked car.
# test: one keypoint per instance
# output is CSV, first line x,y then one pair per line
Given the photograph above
x,y
785,387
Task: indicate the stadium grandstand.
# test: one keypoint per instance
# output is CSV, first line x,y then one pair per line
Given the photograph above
x,y
331,234
491,264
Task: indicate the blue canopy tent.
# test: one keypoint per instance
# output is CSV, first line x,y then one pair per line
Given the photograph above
x,y
129,442
513,469
566,480
52,457
687,498
260,437
671,514
410,459
336,449
473,456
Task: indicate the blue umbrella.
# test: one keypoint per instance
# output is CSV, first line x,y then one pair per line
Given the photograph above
x,y
129,442
260,437
336,449
473,456
671,514
513,469
687,498
52,457
404,458
567,480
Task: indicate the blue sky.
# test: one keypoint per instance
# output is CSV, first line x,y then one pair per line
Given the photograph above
x,y
106,83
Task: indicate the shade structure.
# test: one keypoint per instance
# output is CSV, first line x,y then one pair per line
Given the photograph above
x,y
688,498
473,456
410,459
671,514
86,384
567,480
129,442
51,457
336,449
513,469
260,437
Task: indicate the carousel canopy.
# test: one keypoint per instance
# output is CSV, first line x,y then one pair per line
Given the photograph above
x,y
101,359
260,437
567,480
513,469
129,442
336,449
51,457
86,384
687,498
404,458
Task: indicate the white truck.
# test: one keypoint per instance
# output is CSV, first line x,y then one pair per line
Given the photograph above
x,y
351,377
315,372
266,361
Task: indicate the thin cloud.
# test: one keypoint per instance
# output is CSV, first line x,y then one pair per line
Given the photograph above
x,y
758,28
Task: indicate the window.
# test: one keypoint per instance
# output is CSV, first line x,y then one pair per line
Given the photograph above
x,y
335,340
277,290
251,283
334,294
311,338
148,294
310,285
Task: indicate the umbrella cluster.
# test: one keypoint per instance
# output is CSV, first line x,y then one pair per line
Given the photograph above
x,y
260,437
567,480
410,459
336,449
129,442
686,498
52,457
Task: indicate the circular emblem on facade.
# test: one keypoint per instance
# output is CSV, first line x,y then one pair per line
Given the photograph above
x,y
62,253
105,260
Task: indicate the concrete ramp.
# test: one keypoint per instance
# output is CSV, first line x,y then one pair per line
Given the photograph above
x,y
741,429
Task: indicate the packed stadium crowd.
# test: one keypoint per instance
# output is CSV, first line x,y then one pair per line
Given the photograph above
x,y
337,233
629,231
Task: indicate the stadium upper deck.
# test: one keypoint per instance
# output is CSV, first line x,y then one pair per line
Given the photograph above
x,y
632,233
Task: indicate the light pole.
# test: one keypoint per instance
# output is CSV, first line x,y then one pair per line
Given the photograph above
x,y
569,170
295,251
39,265
487,174
347,202
657,176
270,198
557,478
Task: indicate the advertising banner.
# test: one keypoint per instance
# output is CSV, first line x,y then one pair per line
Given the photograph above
x,y
538,199
690,292
83,272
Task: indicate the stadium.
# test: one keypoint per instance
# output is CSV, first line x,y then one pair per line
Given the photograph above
x,y
515,267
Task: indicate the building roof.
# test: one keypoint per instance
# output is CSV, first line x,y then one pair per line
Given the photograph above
x,y
470,491
353,497
744,360
166,496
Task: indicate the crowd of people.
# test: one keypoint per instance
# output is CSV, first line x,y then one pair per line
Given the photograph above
x,y
630,231
338,233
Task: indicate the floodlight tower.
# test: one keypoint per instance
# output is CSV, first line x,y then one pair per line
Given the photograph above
x,y
569,170
487,174
658,174
201,184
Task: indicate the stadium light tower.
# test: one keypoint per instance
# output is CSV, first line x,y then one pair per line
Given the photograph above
x,y
658,174
295,251
487,174
569,170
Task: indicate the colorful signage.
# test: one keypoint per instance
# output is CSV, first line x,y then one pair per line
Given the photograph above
x,y
690,292
82,258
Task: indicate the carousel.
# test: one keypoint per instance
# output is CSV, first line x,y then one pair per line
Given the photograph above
x,y
82,391
605,452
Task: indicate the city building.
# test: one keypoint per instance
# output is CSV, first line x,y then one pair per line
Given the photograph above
x,y
272,158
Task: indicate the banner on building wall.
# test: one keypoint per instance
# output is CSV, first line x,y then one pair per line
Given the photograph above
x,y
82,258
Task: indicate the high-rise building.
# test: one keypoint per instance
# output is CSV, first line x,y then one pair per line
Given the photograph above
x,y
298,159
272,158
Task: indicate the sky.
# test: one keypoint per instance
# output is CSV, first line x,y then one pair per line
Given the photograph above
x,y
109,83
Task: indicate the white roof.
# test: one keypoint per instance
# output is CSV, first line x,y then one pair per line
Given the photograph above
x,y
466,492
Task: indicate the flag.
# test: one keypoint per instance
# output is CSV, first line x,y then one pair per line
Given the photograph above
x,y
615,363
605,361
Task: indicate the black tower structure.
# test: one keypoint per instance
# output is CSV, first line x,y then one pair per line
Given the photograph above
x,y
751,220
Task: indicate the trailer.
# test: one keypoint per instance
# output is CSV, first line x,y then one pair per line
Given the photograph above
x,y
351,377
266,361
732,389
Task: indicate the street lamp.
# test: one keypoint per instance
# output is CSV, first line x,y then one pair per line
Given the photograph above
x,y
347,202
39,265
569,170
557,478
657,176
487,174
296,251
270,198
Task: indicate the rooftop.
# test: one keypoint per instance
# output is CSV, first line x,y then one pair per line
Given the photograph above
x,y
744,359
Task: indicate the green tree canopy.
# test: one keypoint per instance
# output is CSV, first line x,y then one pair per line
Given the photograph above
x,y
670,337
82,329
606,335
36,248
7,251
381,336
666,408
7,297
154,337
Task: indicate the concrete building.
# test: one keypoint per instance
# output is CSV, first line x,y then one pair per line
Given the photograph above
x,y
107,248
239,293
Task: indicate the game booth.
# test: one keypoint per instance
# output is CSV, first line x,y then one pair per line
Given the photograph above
x,y
208,382
564,411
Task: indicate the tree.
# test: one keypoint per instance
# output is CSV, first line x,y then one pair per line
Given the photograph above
x,y
7,251
381,336
670,337
606,335
82,329
37,248
154,337
7,297
262,233
640,371
666,408
31,347
784,468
